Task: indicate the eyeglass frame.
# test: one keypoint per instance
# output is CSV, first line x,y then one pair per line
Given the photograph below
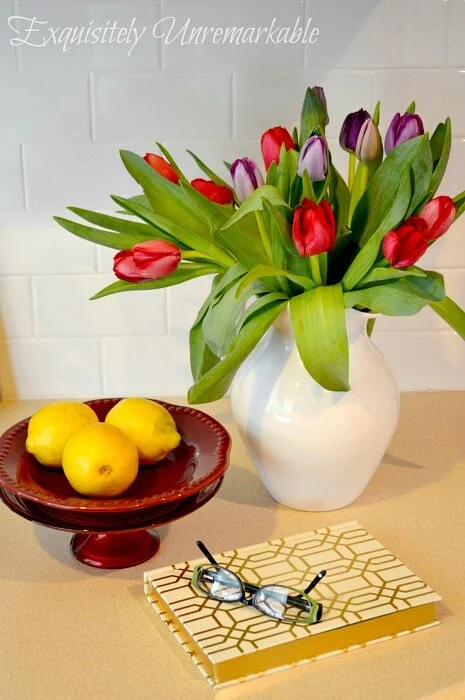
x,y
303,600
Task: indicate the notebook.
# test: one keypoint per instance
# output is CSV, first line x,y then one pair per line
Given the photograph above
x,y
368,596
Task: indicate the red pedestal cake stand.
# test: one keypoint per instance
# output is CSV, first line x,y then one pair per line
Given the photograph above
x,y
114,533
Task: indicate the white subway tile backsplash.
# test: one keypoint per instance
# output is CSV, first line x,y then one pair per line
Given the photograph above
x,y
16,308
39,367
455,27
26,112
424,359
146,366
7,52
164,105
71,313
114,49
420,321
263,100
31,243
438,94
77,175
185,301
230,55
11,177
385,33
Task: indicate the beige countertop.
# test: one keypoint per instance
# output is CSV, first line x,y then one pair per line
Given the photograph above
x,y
70,631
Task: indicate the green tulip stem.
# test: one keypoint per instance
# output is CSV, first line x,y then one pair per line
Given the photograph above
x,y
263,234
359,186
315,270
352,164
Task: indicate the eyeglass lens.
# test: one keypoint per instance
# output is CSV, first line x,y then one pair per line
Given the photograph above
x,y
282,603
220,584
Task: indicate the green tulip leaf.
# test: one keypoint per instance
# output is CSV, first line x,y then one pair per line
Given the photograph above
x,y
386,274
339,197
313,116
220,322
209,172
413,159
202,359
255,203
178,232
272,175
185,272
366,258
459,202
451,313
441,143
111,239
166,198
215,383
400,297
319,326
259,304
267,272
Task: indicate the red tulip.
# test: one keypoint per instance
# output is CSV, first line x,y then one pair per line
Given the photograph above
x,y
272,140
215,193
162,167
439,214
146,261
313,228
404,246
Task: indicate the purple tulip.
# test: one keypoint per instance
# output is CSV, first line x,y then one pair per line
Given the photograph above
x,y
246,177
369,145
351,129
320,94
314,158
401,129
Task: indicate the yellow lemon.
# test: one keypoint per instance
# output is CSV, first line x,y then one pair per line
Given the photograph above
x,y
51,427
100,461
148,424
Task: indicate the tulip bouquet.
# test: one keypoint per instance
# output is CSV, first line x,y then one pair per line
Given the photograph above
x,y
295,235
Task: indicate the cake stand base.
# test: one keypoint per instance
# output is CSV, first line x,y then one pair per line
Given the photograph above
x,y
115,550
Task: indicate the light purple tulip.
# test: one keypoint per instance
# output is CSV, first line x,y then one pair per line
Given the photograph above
x,y
320,93
314,158
246,177
351,129
401,129
369,145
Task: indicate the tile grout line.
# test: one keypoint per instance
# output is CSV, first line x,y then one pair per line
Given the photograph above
x,y
24,179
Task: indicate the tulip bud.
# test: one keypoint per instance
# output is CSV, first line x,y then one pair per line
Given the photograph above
x,y
320,94
439,214
215,193
369,146
401,129
146,261
271,142
246,177
313,228
162,167
314,158
404,246
350,130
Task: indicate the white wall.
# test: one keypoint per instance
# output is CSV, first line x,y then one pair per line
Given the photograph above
x,y
63,117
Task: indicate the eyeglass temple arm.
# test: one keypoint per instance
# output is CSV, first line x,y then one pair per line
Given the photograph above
x,y
205,551
315,581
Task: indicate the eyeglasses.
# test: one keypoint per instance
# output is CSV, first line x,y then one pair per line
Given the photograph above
x,y
276,601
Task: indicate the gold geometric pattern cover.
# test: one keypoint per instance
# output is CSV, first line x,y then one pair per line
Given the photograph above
x,y
368,595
